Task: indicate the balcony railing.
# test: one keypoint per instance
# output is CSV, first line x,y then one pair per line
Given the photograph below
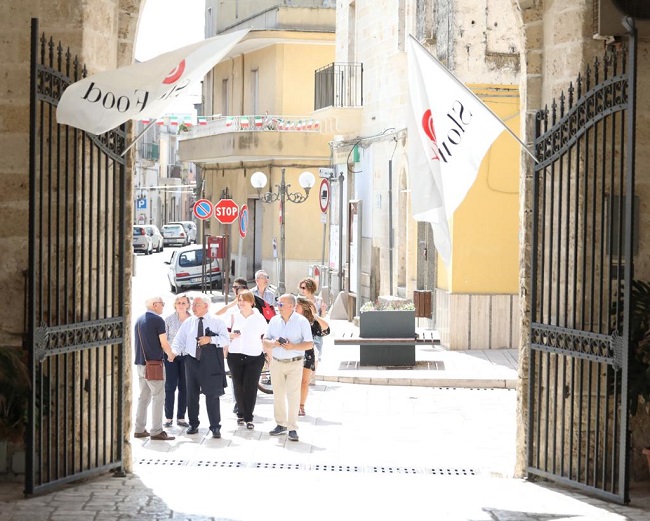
x,y
339,85
255,123
150,151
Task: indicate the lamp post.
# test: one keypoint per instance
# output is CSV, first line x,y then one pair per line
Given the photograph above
x,y
307,181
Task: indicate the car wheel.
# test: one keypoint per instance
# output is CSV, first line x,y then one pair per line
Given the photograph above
x,y
173,288
162,247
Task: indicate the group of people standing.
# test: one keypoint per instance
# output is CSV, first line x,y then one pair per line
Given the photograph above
x,y
246,334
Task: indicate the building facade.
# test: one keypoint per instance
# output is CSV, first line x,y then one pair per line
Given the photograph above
x,y
258,103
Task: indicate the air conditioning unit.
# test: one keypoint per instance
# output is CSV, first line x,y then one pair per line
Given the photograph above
x,y
608,21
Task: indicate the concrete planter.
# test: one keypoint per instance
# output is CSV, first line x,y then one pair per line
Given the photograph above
x,y
387,324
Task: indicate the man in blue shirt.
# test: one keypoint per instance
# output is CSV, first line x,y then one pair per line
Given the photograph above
x,y
289,336
202,337
150,343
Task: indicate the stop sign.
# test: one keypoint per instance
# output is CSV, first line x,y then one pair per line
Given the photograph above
x,y
226,211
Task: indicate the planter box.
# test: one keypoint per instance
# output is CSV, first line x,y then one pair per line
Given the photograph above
x,y
385,325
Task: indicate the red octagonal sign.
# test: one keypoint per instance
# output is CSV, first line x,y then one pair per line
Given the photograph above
x,y
226,211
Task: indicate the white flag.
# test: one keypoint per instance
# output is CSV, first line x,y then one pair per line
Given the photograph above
x,y
450,130
107,99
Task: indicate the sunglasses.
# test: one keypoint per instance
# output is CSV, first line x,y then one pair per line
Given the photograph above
x,y
239,287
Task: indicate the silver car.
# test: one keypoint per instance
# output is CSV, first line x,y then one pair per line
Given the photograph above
x,y
186,269
156,237
190,230
174,235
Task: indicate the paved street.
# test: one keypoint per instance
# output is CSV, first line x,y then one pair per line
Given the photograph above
x,y
366,451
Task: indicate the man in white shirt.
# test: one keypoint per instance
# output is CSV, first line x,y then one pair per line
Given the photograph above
x,y
202,337
289,336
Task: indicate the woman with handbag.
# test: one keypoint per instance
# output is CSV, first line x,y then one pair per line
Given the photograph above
x,y
319,329
175,370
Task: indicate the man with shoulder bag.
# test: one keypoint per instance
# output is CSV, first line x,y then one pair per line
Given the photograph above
x,y
150,345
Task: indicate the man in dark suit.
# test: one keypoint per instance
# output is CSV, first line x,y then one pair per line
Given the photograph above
x,y
202,337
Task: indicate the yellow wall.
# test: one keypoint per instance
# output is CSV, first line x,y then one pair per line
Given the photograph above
x,y
485,227
286,79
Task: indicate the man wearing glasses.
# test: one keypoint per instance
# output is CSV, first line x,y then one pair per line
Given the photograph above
x,y
202,338
261,288
150,344
289,336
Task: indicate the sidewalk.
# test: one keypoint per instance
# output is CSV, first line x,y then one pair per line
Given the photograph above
x,y
435,366
436,442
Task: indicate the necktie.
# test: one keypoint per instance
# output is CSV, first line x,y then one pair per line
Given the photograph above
x,y
199,334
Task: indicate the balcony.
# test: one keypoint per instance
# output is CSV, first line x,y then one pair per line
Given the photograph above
x,y
338,97
229,139
150,151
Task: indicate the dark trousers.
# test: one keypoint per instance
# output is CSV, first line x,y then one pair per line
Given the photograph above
x,y
175,377
245,371
212,404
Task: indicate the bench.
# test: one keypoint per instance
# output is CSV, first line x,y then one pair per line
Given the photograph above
x,y
386,351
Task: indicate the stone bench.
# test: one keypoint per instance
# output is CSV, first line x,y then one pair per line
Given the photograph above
x,y
386,351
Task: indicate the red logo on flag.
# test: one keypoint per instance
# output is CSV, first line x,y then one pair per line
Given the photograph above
x,y
430,130
175,73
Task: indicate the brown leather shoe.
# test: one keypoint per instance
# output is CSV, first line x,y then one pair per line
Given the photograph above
x,y
163,436
143,434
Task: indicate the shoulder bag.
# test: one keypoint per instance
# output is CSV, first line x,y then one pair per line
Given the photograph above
x,y
153,369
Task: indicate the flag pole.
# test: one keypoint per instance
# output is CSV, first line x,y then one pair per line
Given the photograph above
x,y
463,86
138,137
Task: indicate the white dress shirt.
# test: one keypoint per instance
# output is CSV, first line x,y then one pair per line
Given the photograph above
x,y
252,329
185,340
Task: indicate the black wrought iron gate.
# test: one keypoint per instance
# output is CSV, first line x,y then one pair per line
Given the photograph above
x,y
583,188
76,285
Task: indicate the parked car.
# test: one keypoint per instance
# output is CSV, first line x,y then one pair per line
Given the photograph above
x,y
141,241
190,230
186,266
156,237
174,235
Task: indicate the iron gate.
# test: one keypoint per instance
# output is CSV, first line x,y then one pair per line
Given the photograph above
x,y
76,285
583,189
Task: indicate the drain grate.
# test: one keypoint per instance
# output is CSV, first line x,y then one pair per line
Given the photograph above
x,y
337,468
162,462
220,464
277,466
453,472
318,467
393,470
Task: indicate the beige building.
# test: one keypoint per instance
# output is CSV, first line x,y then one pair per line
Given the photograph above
x,y
259,102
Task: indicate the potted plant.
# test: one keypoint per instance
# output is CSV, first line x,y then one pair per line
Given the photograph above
x,y
14,393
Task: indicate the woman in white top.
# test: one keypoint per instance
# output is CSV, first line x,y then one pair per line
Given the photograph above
x,y
246,356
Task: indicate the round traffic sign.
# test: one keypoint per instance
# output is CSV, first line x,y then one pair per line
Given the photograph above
x,y
324,195
202,209
243,220
226,211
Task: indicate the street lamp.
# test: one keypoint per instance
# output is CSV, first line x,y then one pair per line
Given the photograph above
x,y
259,180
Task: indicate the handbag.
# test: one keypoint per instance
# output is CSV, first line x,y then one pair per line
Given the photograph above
x,y
153,369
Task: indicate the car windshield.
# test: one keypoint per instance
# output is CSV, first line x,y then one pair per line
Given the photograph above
x,y
190,259
173,229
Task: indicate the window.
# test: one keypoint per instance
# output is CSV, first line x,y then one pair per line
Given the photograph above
x,y
191,259
225,109
255,86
